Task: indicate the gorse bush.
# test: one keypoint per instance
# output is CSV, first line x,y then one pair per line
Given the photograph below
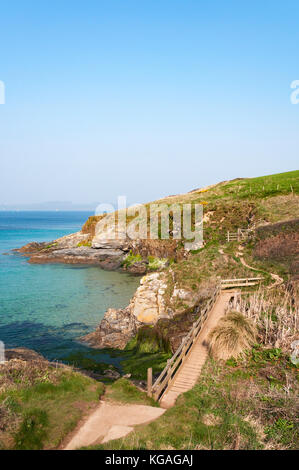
x,y
233,334
131,259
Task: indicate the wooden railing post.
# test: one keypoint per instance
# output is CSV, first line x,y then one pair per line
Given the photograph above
x,y
169,372
149,381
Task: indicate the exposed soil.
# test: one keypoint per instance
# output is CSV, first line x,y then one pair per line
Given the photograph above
x,y
112,421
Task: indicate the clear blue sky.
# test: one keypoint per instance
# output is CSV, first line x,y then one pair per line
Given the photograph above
x,y
144,98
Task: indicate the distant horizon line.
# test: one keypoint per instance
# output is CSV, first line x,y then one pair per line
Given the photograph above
x,y
46,210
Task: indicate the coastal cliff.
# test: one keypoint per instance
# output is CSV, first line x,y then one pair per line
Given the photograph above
x,y
177,282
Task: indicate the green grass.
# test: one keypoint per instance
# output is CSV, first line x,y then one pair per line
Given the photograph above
x,y
131,259
231,407
147,349
263,186
280,431
33,430
148,340
89,361
43,413
137,364
156,263
124,391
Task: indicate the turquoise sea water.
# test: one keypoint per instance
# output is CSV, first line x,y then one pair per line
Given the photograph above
x,y
46,307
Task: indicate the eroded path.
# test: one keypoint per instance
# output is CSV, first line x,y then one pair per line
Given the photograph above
x,y
277,279
112,421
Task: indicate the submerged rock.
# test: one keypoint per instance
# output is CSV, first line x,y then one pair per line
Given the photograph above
x,y
112,374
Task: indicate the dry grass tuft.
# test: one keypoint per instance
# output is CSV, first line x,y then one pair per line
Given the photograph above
x,y
274,314
16,374
233,334
209,419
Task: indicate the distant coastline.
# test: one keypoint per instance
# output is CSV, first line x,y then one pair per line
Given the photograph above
x,y
50,206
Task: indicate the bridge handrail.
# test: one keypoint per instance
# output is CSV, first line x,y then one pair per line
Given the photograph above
x,y
241,234
169,371
247,279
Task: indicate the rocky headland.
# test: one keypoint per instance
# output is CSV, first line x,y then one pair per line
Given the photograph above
x,y
177,282
150,257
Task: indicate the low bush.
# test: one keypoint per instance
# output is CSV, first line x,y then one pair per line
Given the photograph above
x,y
233,335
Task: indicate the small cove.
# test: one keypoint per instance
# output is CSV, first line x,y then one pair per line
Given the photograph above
x,y
47,307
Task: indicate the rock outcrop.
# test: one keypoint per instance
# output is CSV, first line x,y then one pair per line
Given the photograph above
x,y
76,249
114,331
149,307
103,242
106,258
148,304
146,308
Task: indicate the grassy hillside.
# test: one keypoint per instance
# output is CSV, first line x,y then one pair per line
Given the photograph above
x,y
247,402
242,203
40,403
250,402
236,405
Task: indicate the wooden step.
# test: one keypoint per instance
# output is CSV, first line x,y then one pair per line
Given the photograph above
x,y
190,370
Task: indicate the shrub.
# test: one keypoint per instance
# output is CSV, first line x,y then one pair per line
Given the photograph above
x,y
233,334
84,243
131,259
156,263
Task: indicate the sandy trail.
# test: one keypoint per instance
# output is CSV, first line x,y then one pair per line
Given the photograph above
x,y
110,421
277,279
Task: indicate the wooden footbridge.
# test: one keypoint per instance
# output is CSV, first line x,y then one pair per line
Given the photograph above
x,y
183,369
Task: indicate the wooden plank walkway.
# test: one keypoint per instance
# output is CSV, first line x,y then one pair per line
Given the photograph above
x,y
190,370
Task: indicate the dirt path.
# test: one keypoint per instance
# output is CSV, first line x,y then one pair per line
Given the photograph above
x,y
110,421
277,279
